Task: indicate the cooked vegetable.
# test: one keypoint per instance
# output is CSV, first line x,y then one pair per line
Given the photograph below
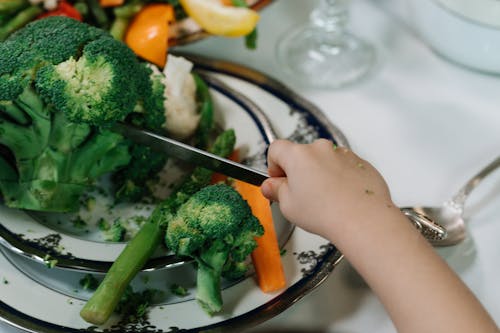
x,y
62,82
185,101
15,14
138,250
122,17
131,183
63,9
147,34
266,257
111,3
89,282
217,229
218,19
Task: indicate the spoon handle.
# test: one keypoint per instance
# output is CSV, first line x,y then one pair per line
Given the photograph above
x,y
458,199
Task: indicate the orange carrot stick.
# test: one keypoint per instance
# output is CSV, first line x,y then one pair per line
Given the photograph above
x,y
266,257
111,3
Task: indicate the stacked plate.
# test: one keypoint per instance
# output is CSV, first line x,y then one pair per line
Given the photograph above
x,y
44,256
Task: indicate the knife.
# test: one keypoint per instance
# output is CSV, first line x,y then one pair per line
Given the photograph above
x,y
191,154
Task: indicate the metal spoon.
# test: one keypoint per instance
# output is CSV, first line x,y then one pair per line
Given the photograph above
x,y
449,215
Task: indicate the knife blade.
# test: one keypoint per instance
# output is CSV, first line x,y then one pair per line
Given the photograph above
x,y
195,156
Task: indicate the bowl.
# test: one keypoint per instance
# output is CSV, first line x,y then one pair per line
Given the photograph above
x,y
466,32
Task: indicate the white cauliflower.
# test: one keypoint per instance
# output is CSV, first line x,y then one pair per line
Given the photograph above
x,y
47,4
181,110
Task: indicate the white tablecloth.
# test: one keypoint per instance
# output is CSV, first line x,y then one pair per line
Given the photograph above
x,y
425,123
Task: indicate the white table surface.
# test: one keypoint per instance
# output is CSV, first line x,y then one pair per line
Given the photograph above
x,y
425,123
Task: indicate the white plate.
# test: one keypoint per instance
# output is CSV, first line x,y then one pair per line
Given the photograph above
x,y
26,287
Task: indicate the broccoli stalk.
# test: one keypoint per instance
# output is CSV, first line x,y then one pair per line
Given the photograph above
x,y
208,276
103,302
123,16
62,83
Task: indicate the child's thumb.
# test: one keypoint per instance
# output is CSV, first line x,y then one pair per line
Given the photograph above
x,y
270,188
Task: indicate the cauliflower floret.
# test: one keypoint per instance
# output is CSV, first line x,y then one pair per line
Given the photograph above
x,y
181,110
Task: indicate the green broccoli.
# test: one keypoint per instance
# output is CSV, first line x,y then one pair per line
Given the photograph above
x,y
131,183
139,249
89,282
62,83
217,229
116,232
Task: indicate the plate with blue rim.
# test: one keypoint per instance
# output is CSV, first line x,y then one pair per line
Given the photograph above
x,y
43,258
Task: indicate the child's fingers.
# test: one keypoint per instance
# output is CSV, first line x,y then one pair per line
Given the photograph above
x,y
271,188
277,157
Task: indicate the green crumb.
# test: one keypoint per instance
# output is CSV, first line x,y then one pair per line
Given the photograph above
x,y
103,224
5,281
134,306
282,252
90,204
116,232
49,262
178,290
369,192
78,222
70,301
89,282
361,165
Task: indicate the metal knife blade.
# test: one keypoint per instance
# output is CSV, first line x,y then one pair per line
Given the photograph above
x,y
191,154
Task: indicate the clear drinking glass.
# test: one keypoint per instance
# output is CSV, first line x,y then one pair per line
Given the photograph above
x,y
322,53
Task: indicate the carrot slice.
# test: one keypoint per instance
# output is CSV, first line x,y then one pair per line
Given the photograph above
x,y
266,257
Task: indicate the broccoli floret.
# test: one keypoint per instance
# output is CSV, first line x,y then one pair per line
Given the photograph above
x,y
131,183
217,229
138,250
62,83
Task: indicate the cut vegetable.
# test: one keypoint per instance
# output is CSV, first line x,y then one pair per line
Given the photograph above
x,y
147,34
63,9
218,19
111,3
266,257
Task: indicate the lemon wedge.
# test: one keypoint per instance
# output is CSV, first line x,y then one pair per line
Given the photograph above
x,y
218,19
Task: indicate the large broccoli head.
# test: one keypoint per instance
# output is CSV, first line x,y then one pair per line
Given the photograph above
x,y
61,83
216,228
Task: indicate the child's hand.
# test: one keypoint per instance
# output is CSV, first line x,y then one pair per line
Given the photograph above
x,y
319,185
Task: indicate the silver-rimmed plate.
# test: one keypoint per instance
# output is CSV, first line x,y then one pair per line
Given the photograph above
x,y
76,241
257,107
26,287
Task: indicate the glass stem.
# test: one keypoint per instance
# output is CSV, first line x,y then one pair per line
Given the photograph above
x,y
331,16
